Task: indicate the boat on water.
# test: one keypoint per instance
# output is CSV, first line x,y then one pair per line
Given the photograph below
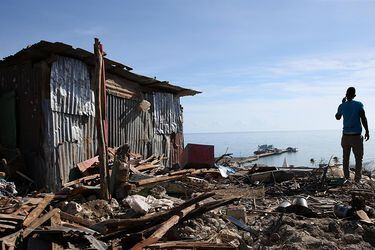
x,y
291,150
265,148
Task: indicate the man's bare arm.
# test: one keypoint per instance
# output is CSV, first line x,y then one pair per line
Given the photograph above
x,y
339,112
364,123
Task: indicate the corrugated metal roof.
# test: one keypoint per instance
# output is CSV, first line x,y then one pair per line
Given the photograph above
x,y
45,49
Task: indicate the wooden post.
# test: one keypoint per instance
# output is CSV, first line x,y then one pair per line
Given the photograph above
x,y
100,106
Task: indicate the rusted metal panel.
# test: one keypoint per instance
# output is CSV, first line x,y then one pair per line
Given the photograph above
x,y
73,115
177,148
71,91
167,113
26,81
128,124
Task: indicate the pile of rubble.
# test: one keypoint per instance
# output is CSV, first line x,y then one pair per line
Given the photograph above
x,y
222,207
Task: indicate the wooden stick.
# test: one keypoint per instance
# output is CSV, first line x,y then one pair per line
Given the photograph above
x,y
9,241
158,179
158,234
100,119
76,219
12,217
137,224
38,210
146,167
56,221
191,245
36,223
83,179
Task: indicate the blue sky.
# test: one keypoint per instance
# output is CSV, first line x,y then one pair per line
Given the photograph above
x,y
262,65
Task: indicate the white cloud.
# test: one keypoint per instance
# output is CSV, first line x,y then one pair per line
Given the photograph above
x,y
301,94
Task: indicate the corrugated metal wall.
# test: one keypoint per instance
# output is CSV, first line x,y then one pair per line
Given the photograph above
x,y
128,124
73,115
56,119
147,132
26,81
166,113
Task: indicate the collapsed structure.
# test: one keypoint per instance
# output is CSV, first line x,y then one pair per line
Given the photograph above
x,y
47,111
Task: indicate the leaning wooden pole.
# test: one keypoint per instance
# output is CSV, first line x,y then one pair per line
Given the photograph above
x,y
100,106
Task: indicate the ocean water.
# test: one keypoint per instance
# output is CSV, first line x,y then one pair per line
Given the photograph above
x,y
319,145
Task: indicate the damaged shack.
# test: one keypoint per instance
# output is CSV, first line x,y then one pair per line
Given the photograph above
x,y
47,112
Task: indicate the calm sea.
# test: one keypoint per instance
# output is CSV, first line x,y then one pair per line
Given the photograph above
x,y
319,145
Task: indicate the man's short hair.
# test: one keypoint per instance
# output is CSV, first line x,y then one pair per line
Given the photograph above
x,y
350,92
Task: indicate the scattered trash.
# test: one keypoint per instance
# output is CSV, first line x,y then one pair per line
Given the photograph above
x,y
342,211
225,171
138,203
224,206
7,188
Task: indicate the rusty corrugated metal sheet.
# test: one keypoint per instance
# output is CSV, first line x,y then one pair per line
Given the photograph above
x,y
128,124
167,113
73,115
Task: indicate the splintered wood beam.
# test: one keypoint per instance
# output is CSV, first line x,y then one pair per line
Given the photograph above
x,y
12,217
146,167
9,241
38,210
134,170
192,245
80,180
132,225
56,221
36,223
158,179
159,233
76,219
100,115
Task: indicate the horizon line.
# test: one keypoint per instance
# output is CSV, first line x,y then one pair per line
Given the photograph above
x,y
262,131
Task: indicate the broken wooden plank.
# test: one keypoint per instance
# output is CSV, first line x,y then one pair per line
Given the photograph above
x,y
8,222
9,241
210,206
12,217
144,167
147,159
83,179
158,179
192,171
76,219
134,169
7,226
158,234
192,245
37,222
100,117
25,176
84,165
147,221
56,221
38,210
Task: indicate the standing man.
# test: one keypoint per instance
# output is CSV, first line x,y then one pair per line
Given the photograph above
x,y
354,119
